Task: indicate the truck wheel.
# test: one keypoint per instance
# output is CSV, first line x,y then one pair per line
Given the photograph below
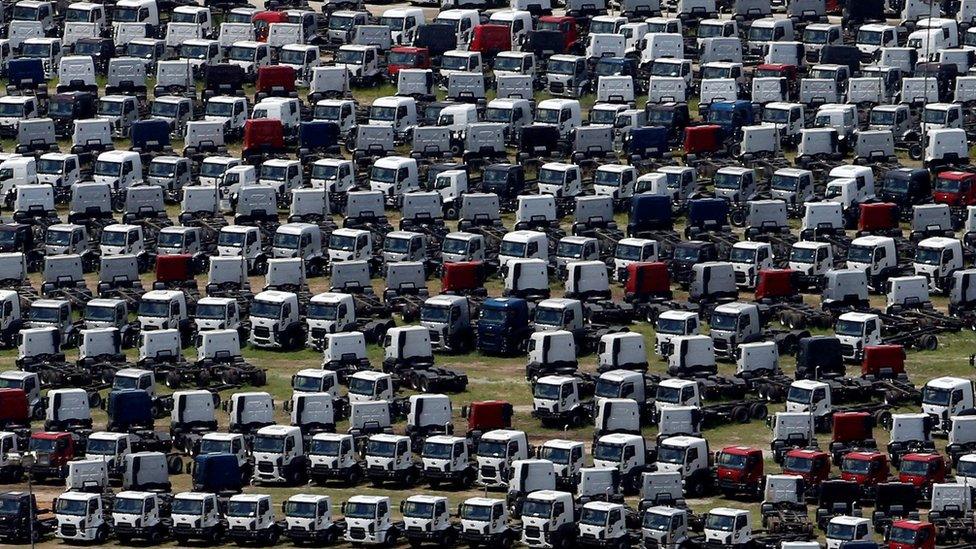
x,y
259,378
928,342
355,477
696,488
390,539
758,411
740,414
175,465
423,384
101,535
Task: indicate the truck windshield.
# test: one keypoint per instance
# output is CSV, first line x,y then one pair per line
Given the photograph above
x,y
860,254
101,447
760,34
914,467
61,106
784,182
11,110
731,461
945,185
670,326
341,242
656,521
710,31
603,27
928,256
242,509
548,316
840,531
454,62
490,314
324,171
405,58
437,450
800,395
271,444
569,249
383,175
125,382
36,50
219,108
359,386
606,388
869,37
381,448
670,454
360,510
324,447
479,513
396,245
723,321
301,509
153,308
512,248
211,446
555,455
629,252
727,181
418,509
125,14
934,116
386,114
323,311
228,238
855,466
802,255
607,178
547,116
966,468
73,507
114,238
57,238
9,506
342,22
902,535
537,509
547,391
724,523
285,240
306,383
395,23
165,109
823,74
496,114
742,255
602,116
798,464
881,118
491,448
776,116
169,239
594,517
197,51
668,395
48,166
274,173
561,66
110,108
291,57
659,68
42,444
608,452
239,53
108,168
96,313
435,313
848,327
43,314
264,309
129,506
937,396
162,169
349,57
660,117
506,63
815,36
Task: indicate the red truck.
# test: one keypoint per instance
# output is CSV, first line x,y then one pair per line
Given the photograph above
x,y
911,534
704,140
564,25
407,57
647,282
867,469
883,362
52,453
490,39
922,470
955,188
262,23
813,465
786,72
487,415
463,278
851,431
879,219
14,409
740,471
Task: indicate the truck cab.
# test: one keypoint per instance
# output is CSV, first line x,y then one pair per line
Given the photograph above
x,y
549,517
369,520
496,452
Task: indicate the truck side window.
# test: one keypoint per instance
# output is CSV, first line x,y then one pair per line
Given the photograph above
x,y
264,506
441,508
174,309
496,512
692,455
150,505
956,397
629,452
819,395
532,248
740,522
458,450
567,390
626,390
558,509
513,448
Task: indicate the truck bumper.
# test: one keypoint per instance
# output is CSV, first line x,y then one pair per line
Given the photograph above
x,y
191,532
303,535
321,471
240,533
385,474
438,474
724,484
133,531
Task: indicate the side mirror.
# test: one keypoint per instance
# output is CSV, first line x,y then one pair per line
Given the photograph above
x,y
343,508
402,502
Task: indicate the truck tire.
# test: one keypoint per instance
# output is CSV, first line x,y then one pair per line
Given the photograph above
x,y
101,535
740,414
173,380
758,411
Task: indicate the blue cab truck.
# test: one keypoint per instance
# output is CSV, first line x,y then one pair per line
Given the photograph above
x,y
504,326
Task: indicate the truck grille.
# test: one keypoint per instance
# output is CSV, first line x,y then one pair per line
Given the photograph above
x,y
488,471
532,532
265,466
262,331
556,87
69,530
357,533
740,277
720,344
847,350
318,333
